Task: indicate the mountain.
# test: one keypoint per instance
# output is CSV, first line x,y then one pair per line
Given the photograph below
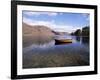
x,y
37,30
60,33
36,34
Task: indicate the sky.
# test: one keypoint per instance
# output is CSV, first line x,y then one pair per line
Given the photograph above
x,y
58,21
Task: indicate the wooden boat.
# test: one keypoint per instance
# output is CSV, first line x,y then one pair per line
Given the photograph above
x,y
63,40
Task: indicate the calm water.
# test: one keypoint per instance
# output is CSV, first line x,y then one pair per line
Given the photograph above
x,y
49,54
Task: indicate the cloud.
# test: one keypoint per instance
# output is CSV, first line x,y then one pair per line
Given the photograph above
x,y
51,24
34,22
31,13
86,16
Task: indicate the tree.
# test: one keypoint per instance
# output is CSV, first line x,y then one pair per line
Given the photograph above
x,y
85,31
77,32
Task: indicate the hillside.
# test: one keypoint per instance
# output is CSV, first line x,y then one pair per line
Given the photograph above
x,y
36,34
60,33
37,30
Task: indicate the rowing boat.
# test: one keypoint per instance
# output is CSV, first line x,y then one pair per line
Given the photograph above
x,y
63,40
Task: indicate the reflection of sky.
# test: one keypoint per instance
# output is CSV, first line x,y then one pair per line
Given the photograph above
x,y
57,20
39,46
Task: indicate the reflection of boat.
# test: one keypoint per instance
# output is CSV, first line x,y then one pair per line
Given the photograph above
x,y
63,40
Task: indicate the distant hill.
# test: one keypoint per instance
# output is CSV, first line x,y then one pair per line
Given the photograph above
x,y
60,33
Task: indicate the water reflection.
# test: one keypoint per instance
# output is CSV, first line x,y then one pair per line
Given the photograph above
x,y
39,45
51,43
49,54
80,39
85,39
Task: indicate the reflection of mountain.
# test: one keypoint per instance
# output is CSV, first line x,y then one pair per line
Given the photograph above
x,y
36,34
39,34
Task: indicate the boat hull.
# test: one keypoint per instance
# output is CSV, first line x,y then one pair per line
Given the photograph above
x,y
63,41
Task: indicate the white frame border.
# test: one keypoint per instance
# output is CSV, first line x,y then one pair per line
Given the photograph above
x,y
21,71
